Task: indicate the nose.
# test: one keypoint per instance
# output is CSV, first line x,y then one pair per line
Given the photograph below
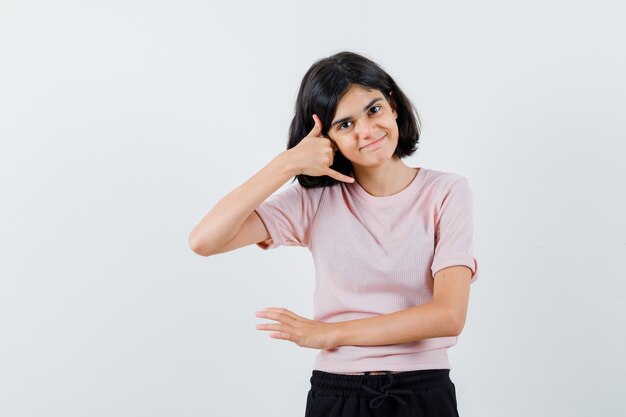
x,y
365,129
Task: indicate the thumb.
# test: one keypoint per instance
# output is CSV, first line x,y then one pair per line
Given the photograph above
x,y
317,128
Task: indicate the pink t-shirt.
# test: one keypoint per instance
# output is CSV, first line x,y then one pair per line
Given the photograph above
x,y
376,255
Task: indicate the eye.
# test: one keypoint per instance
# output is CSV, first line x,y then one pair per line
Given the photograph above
x,y
340,127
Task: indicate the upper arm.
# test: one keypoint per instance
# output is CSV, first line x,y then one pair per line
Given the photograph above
x,y
252,231
451,290
454,228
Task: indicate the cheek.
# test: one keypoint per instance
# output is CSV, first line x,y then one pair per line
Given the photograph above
x,y
342,144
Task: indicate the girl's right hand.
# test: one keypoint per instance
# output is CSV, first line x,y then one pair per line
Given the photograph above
x,y
315,153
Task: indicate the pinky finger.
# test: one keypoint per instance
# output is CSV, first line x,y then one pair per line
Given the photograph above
x,y
339,176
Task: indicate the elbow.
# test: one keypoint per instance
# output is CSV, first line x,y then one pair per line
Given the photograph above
x,y
457,322
456,331
198,251
196,246
450,321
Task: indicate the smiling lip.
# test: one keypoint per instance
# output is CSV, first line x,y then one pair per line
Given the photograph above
x,y
373,143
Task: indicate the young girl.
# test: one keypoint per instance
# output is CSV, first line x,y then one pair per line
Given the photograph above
x,y
391,244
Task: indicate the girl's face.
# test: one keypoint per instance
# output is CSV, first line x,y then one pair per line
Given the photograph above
x,y
364,127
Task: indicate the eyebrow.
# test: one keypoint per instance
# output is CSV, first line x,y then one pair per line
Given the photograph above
x,y
350,117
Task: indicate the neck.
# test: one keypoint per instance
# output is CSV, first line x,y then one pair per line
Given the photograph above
x,y
385,179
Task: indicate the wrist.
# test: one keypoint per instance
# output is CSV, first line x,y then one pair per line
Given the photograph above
x,y
334,335
286,163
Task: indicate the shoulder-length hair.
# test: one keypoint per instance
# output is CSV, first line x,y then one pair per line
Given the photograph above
x,y
320,91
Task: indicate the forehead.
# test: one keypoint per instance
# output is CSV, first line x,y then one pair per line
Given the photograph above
x,y
356,97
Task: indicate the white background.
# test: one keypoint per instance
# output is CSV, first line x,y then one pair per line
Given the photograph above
x,y
123,122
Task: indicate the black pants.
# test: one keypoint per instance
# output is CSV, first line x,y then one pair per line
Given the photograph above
x,y
423,393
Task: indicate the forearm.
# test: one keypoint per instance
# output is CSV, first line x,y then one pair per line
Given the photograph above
x,y
415,323
224,220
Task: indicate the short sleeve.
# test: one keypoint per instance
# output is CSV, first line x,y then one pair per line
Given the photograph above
x,y
286,216
454,229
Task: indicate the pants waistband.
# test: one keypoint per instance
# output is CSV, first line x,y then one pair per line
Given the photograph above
x,y
371,373
379,387
352,384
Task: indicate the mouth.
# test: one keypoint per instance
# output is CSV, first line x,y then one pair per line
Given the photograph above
x,y
374,143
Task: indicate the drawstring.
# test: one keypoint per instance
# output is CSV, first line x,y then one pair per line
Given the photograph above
x,y
381,396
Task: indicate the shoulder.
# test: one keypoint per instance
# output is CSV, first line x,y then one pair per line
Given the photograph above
x,y
296,190
313,195
444,181
445,188
296,197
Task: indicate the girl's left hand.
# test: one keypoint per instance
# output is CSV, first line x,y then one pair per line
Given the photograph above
x,y
303,332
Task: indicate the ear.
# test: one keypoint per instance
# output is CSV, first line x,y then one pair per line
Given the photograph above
x,y
392,102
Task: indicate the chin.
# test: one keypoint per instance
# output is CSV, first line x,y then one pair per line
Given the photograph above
x,y
374,162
